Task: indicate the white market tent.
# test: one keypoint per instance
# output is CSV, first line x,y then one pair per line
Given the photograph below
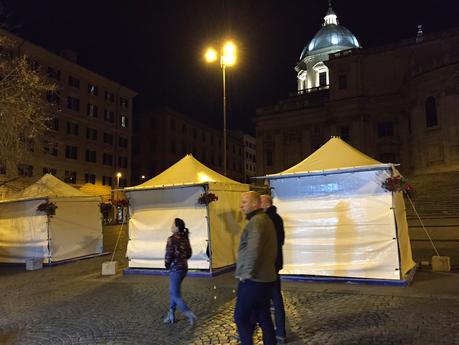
x,y
339,220
174,193
74,231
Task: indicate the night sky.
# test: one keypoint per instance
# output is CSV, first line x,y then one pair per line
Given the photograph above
x,y
156,47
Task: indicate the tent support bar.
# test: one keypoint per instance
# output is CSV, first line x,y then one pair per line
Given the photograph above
x,y
191,273
368,281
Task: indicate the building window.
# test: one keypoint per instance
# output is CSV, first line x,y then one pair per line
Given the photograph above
x,y
52,171
322,79
385,129
91,133
74,82
124,103
91,156
53,98
123,142
431,112
54,74
92,89
73,128
90,178
342,82
108,138
387,157
55,124
109,115
2,169
107,180
91,110
122,162
109,96
33,64
124,121
410,130
269,158
50,148
107,159
73,103
70,176
25,170
71,152
345,133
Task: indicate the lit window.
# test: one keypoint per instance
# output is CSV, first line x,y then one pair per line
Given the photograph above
x,y
124,121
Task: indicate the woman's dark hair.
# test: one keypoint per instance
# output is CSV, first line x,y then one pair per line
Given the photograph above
x,y
180,224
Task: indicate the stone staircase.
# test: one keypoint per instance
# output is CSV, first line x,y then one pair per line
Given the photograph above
x,y
436,200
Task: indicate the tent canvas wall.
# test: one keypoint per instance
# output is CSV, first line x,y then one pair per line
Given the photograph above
x,y
174,193
339,220
74,231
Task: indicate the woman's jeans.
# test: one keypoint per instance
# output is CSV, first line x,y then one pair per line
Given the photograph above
x,y
176,300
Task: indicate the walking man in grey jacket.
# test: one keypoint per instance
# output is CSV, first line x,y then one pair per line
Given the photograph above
x,y
256,271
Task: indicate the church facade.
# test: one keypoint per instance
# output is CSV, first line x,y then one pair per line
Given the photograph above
x,y
397,103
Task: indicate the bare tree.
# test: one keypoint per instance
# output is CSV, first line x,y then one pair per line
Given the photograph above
x,y
26,106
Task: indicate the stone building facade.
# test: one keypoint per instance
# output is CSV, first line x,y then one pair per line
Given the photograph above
x,y
164,136
397,103
91,136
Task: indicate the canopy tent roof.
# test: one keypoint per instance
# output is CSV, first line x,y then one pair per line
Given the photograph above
x,y
334,156
47,186
187,171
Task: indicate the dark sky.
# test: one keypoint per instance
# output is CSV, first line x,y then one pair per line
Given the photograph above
x,y
156,47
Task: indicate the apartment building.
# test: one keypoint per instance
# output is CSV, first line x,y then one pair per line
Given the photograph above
x,y
90,139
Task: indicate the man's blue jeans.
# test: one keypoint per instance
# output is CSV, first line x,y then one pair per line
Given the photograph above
x,y
254,298
175,283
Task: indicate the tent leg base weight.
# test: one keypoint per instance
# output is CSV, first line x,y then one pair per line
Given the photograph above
x,y
33,264
441,264
109,268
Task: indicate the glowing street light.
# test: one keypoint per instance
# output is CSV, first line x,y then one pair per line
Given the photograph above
x,y
118,176
227,58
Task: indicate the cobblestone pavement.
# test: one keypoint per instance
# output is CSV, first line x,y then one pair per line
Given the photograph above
x,y
73,304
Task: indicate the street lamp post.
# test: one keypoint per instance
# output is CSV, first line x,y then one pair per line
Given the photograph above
x,y
227,58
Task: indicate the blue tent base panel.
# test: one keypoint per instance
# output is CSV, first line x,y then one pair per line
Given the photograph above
x,y
349,280
191,273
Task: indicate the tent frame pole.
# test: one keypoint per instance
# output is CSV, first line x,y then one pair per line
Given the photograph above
x,y
400,273
209,243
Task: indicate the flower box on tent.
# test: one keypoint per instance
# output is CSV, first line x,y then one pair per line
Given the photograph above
x,y
339,220
50,221
208,203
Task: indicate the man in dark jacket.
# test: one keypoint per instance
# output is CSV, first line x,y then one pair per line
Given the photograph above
x,y
276,296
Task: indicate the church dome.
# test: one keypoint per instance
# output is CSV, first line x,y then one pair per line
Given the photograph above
x,y
331,35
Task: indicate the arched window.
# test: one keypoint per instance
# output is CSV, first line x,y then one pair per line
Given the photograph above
x,y
431,112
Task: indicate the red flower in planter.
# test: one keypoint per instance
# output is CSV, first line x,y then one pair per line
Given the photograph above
x,y
48,207
207,198
398,184
121,203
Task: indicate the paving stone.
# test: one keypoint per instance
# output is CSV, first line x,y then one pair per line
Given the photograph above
x,y
74,304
